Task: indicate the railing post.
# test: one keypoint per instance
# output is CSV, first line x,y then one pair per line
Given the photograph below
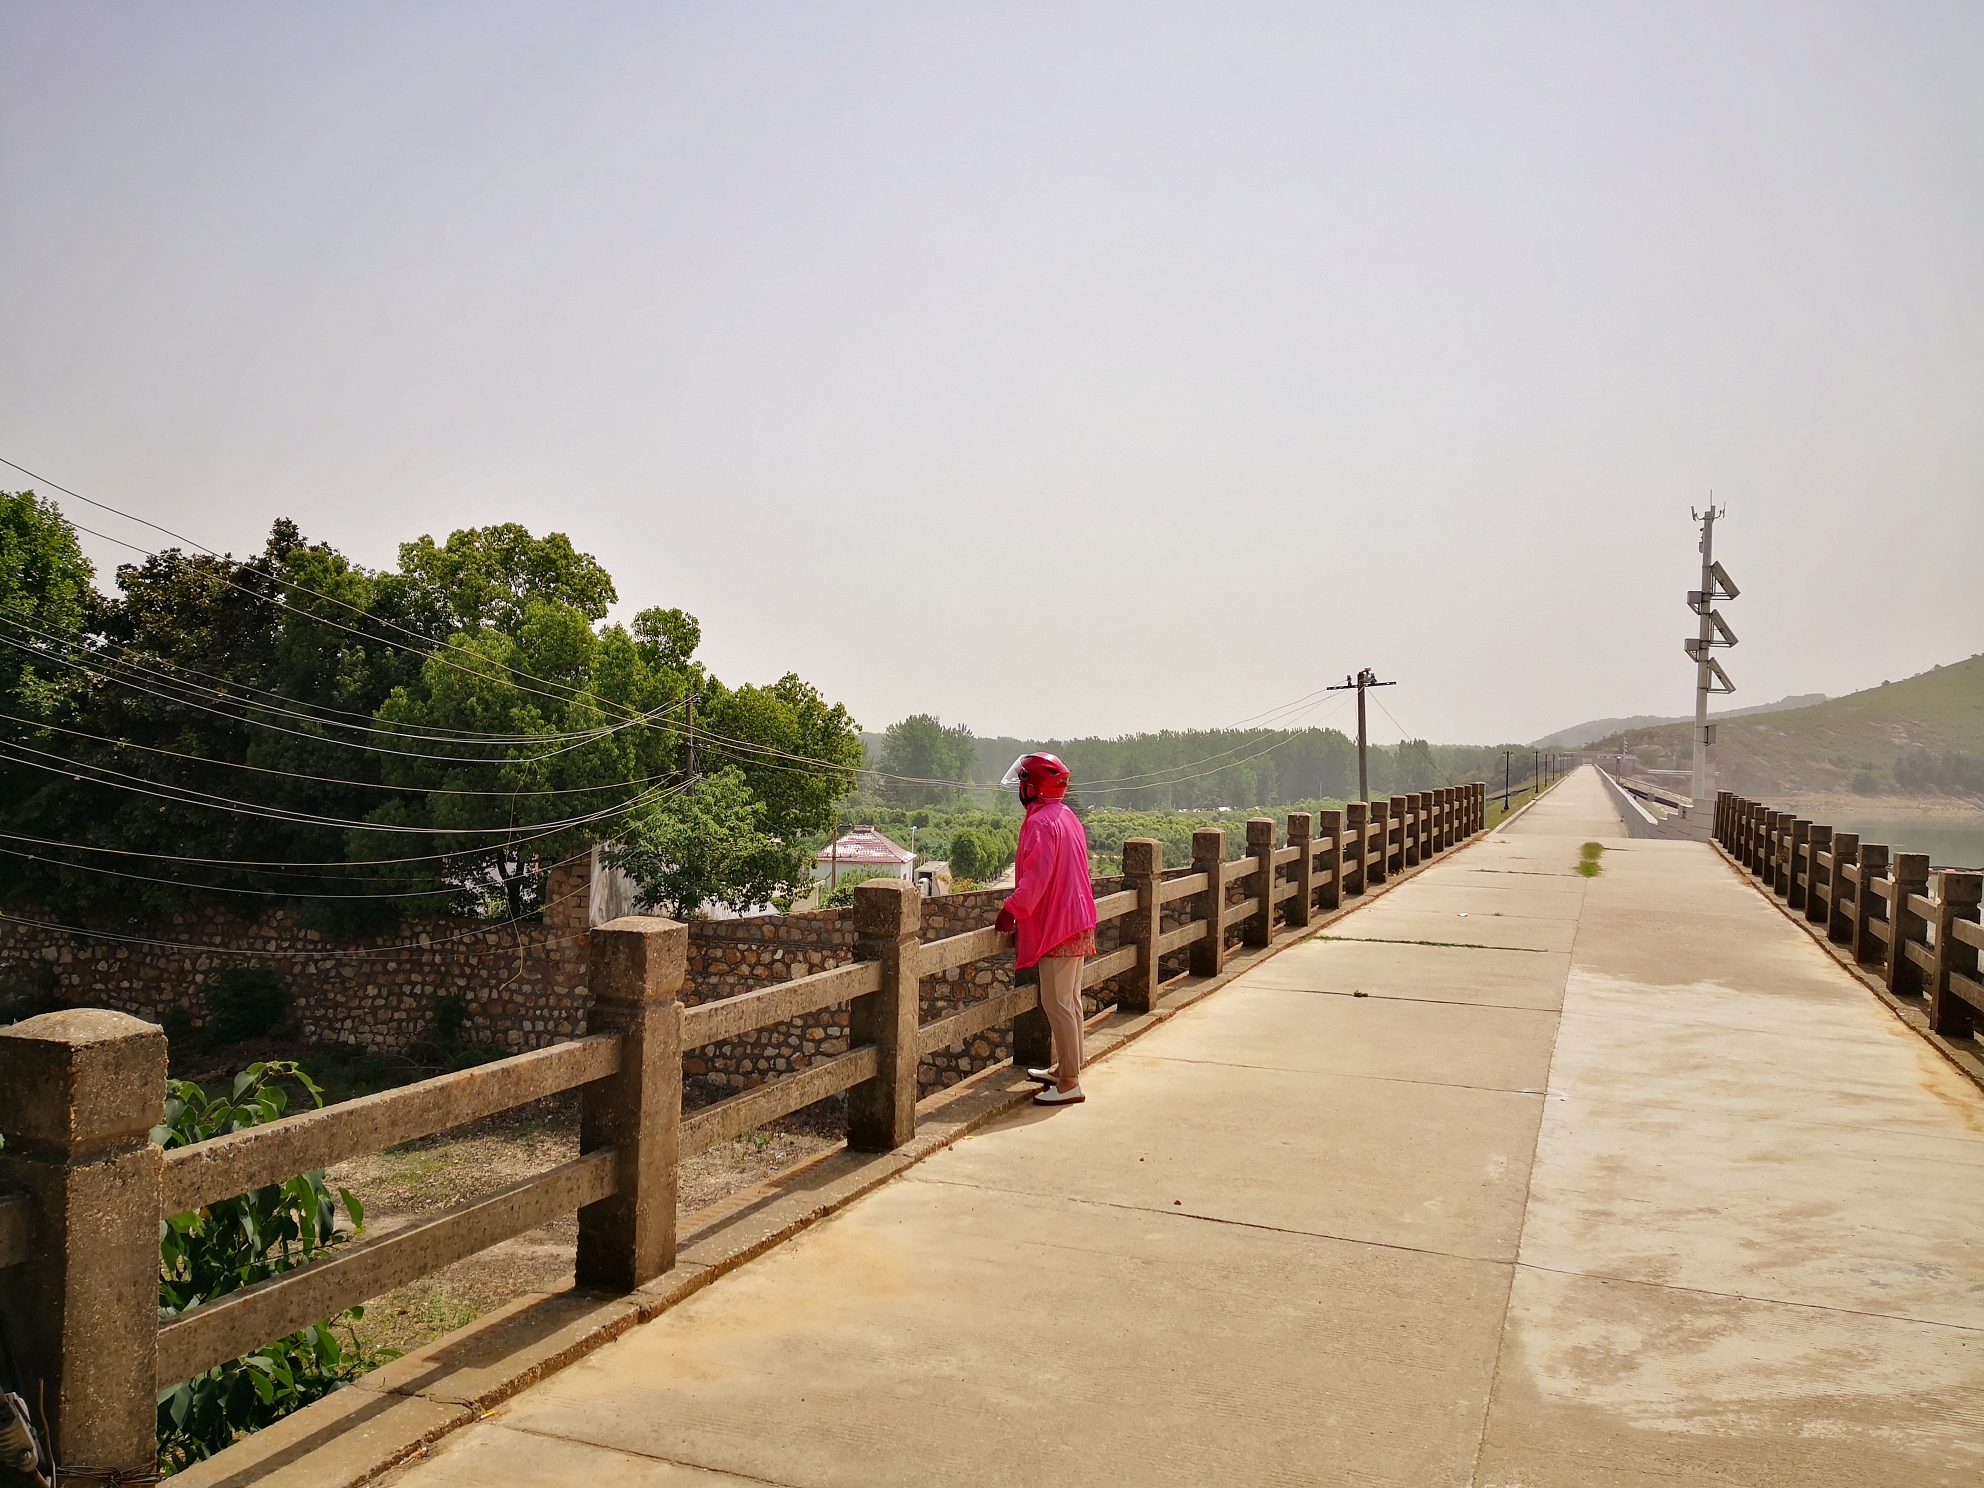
x,y
1209,858
1865,945
1801,837
1449,806
1301,837
634,969
1358,822
1258,928
1330,832
1910,876
1839,915
1414,829
80,1092
1773,826
1753,840
1818,885
1401,814
1957,898
1381,833
888,926
1143,870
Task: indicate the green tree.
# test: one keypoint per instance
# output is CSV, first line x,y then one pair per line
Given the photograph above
x,y
707,845
922,752
45,584
242,726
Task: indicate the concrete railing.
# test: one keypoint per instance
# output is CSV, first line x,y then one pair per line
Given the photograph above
x,y
1918,929
83,1189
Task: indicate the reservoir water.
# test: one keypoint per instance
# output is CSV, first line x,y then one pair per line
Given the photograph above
x,y
1950,842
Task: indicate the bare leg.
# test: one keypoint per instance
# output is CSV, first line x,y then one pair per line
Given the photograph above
x,y
1061,1000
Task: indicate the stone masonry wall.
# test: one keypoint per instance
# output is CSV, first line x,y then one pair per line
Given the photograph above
x,y
524,986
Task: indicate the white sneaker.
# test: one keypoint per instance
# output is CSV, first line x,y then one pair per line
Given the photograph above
x,y
1042,1076
1052,1097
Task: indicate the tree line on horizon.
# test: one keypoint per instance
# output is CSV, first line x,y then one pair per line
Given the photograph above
x,y
925,762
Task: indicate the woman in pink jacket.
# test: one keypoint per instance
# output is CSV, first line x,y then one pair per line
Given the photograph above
x,y
1052,911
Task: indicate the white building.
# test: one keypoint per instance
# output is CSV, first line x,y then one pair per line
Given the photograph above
x,y
863,848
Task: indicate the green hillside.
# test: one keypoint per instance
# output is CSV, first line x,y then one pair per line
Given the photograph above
x,y
1920,737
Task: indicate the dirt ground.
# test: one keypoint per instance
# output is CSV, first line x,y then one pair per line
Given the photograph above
x,y
435,1172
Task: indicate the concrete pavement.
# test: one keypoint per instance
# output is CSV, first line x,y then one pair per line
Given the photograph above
x,y
1611,1180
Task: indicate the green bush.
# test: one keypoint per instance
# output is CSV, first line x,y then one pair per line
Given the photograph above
x,y
450,1017
843,891
980,852
246,1002
233,1244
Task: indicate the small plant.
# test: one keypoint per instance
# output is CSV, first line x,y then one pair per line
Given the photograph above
x,y
843,892
30,992
234,1243
450,1017
1588,859
246,1002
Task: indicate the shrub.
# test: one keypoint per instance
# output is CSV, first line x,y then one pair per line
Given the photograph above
x,y
235,1243
29,992
980,852
246,1002
843,891
450,1017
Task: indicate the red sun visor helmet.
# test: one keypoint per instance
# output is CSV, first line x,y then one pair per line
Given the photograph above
x,y
1040,777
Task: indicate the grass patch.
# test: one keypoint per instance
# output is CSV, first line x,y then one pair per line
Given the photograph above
x,y
1588,864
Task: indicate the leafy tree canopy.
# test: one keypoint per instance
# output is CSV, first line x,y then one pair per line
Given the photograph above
x,y
707,845
921,753
295,727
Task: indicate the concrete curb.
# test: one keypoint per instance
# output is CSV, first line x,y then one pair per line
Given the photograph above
x,y
1910,1010
395,1414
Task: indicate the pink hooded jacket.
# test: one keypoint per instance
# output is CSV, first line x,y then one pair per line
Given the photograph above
x,y
1051,898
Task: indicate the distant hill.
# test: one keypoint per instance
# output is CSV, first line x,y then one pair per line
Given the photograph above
x,y
1920,737
1579,735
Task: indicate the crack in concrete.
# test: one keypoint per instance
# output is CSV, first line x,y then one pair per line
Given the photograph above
x,y
1664,1286
1239,1224
1356,1075
581,1441
1459,945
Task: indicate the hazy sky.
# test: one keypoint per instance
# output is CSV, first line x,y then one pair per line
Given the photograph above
x,y
1057,369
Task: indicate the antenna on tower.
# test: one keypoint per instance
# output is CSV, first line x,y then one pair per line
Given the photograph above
x,y
1712,632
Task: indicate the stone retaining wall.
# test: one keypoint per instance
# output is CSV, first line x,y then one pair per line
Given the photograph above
x,y
522,986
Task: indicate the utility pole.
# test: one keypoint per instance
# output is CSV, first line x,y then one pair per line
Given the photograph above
x,y
1712,632
1505,780
1364,679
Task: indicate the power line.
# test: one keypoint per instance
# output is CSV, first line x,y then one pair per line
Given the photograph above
x,y
187,796
292,583
79,640
185,702
201,759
